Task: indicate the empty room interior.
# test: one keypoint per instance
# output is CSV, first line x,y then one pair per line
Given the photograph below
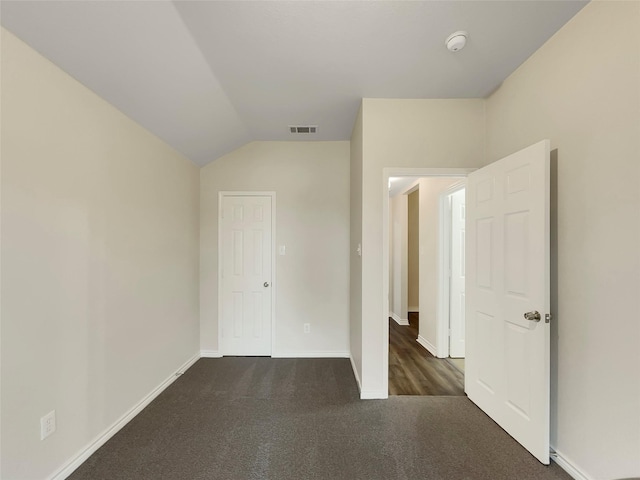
x,y
221,222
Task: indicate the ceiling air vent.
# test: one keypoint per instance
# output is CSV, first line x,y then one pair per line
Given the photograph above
x,y
303,128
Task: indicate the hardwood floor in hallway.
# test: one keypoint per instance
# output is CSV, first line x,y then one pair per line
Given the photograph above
x,y
414,371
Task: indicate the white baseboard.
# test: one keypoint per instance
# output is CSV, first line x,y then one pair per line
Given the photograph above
x,y
414,309
366,394
427,344
77,460
398,320
568,466
355,373
373,395
210,354
312,354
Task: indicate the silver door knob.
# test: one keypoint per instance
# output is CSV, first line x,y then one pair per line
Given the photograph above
x,y
266,284
532,316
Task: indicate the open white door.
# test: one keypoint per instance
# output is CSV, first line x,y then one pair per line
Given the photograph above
x,y
507,291
246,260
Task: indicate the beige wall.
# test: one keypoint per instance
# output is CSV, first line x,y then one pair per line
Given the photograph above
x,y
429,197
311,181
413,238
582,91
403,133
355,260
99,263
100,240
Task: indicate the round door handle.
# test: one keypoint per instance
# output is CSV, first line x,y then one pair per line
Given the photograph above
x,y
266,284
532,316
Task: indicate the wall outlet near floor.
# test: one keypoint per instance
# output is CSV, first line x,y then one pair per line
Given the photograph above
x,y
307,328
47,424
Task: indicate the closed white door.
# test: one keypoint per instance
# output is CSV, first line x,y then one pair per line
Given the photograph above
x,y
457,269
507,362
246,257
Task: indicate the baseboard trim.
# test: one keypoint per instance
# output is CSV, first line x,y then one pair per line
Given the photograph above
x,y
373,395
427,344
366,394
568,466
398,320
312,354
78,459
355,374
210,354
414,309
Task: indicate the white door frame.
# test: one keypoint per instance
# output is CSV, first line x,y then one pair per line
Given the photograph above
x,y
221,196
399,172
444,255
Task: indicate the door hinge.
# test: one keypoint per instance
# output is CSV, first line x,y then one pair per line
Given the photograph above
x,y
547,317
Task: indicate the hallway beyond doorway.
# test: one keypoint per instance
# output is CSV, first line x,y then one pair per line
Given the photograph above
x,y
414,371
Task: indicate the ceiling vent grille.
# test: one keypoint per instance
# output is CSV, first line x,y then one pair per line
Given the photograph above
x,y
305,129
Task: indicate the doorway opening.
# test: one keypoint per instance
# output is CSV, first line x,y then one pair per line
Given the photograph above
x,y
508,278
421,300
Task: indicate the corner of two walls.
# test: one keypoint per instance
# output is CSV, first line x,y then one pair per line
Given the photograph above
x,y
581,91
114,233
355,248
99,263
311,181
400,133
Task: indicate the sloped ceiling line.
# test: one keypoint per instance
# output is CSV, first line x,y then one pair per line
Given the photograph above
x,y
210,76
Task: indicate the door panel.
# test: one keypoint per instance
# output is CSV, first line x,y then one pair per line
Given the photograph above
x,y
246,293
507,267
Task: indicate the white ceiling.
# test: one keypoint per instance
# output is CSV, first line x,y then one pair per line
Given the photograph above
x,y
209,76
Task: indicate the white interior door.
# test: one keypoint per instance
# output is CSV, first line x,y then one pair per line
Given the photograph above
x,y
457,270
245,258
507,363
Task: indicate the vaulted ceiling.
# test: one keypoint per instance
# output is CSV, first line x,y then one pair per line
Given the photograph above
x,y
210,76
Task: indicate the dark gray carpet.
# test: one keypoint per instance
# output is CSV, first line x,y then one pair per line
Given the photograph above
x,y
279,419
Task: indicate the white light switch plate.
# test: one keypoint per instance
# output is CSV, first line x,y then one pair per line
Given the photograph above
x,y
47,424
282,250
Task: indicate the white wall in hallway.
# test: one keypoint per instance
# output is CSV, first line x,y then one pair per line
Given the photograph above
x,y
429,197
398,273
413,236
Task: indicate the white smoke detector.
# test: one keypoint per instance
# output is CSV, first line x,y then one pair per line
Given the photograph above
x,y
456,41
